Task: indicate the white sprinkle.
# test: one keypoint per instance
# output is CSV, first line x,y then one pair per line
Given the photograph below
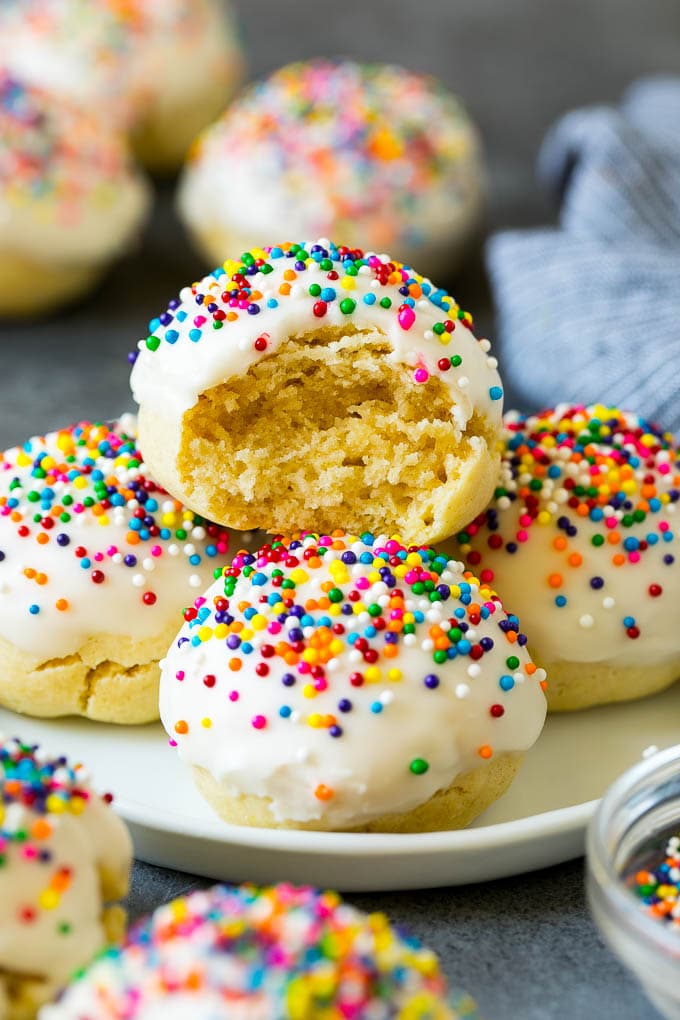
x,y
650,751
608,602
148,564
427,645
189,549
473,670
485,344
586,620
462,382
195,581
462,691
387,697
198,533
173,549
138,580
355,655
410,640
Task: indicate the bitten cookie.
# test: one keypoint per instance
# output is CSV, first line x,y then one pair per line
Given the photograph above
x,y
344,683
160,69
70,199
64,857
306,384
277,953
581,541
371,155
96,564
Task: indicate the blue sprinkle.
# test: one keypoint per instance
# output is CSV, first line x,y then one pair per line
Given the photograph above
x,y
376,707
34,610
195,335
495,393
506,683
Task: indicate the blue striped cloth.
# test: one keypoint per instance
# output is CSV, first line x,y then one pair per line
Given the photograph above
x,y
590,311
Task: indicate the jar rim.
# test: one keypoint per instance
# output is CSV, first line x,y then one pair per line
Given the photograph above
x,y
601,860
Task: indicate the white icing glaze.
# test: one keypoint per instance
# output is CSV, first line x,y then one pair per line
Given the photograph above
x,y
394,720
191,356
373,156
68,191
38,573
590,626
127,59
50,880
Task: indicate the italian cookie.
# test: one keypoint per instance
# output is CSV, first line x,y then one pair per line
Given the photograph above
x,y
160,69
337,683
305,384
369,154
70,199
276,953
96,563
581,541
65,858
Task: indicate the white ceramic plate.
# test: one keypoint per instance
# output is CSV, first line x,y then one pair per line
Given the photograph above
x,y
540,821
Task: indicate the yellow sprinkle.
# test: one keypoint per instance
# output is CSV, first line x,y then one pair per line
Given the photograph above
x,y
394,674
299,576
48,899
205,633
55,805
309,691
258,622
372,674
206,723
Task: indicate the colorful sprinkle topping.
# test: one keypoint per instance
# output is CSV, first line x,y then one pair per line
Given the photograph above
x,y
363,146
337,284
317,631
35,791
82,492
659,886
606,481
271,952
55,155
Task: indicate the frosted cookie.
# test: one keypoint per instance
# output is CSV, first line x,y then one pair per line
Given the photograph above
x,y
187,62
277,953
581,541
162,69
302,385
64,858
371,155
344,683
96,564
70,200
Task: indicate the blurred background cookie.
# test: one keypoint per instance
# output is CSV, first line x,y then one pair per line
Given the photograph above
x,y
581,541
302,386
70,199
342,683
65,857
96,565
163,69
256,953
374,156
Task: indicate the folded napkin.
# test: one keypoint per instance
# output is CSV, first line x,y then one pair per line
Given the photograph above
x,y
591,311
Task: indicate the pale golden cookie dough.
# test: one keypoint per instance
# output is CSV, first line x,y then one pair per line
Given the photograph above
x,y
306,385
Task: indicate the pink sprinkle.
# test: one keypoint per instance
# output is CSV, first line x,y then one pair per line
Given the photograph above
x,y
173,743
200,601
411,577
156,550
98,557
222,547
320,684
611,522
179,675
259,722
421,375
522,536
664,526
199,320
112,550
233,695
634,557
525,520
304,668
664,468
274,627
29,852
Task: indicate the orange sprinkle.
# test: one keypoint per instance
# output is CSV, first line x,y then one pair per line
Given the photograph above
x,y
485,751
555,580
41,829
235,665
61,605
575,559
323,792
181,726
42,538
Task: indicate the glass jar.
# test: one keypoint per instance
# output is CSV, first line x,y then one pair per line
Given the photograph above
x,y
629,829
